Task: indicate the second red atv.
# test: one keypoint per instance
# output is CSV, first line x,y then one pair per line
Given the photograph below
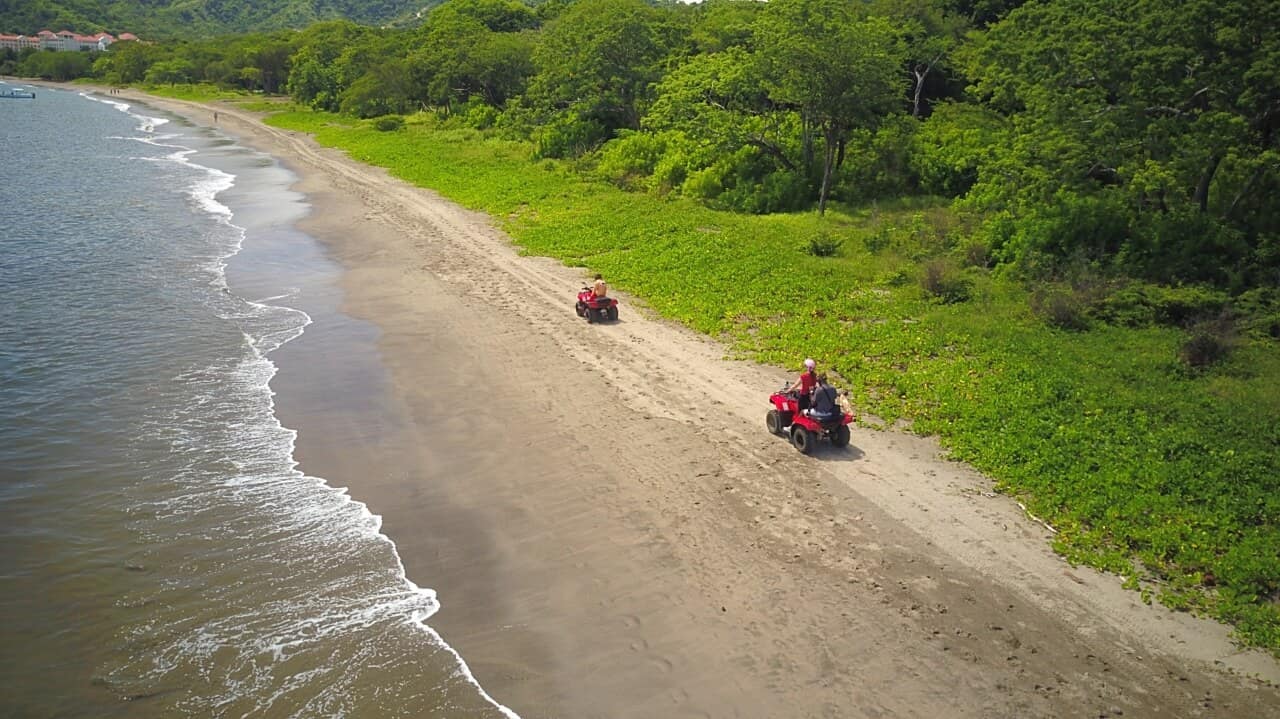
x,y
805,429
595,309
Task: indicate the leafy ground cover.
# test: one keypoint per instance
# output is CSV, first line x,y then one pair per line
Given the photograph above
x,y
1167,476
196,93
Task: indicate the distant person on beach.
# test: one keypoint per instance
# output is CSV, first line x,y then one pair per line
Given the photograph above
x,y
808,380
600,288
215,116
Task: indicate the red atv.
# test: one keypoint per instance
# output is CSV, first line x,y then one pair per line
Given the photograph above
x,y
596,309
805,429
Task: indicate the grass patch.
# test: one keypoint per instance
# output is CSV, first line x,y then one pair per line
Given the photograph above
x,y
1099,428
196,93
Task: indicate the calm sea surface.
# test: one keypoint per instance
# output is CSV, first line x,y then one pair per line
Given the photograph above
x,y
162,555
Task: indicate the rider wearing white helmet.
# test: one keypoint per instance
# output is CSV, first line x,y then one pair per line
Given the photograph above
x,y
808,380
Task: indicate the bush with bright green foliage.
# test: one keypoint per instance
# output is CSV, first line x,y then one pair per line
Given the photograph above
x,y
825,245
1146,469
953,144
631,159
569,135
878,163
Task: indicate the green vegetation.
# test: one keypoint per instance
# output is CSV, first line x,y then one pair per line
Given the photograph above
x,y
1042,230
172,19
1148,467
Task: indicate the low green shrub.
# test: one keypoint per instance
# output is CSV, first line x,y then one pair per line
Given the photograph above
x,y
1138,304
1060,308
1211,341
825,245
480,115
942,280
1259,311
389,123
977,254
568,135
630,159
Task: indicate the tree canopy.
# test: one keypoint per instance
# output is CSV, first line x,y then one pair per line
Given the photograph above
x,y
1139,137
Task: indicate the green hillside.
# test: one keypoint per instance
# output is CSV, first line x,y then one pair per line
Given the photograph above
x,y
161,19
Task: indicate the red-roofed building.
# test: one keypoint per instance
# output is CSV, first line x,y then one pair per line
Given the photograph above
x,y
19,42
62,41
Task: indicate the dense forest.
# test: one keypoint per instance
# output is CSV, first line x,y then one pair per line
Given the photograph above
x,y
1138,138
1116,160
173,19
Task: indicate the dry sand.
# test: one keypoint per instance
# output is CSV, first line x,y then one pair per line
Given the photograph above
x,y
618,536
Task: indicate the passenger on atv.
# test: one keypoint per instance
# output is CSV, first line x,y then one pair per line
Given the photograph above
x,y
825,404
825,419
594,302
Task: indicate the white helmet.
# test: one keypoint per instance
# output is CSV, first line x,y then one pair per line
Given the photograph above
x,y
810,363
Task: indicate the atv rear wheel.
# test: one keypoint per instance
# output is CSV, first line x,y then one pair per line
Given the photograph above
x,y
773,420
803,439
613,313
840,436
590,315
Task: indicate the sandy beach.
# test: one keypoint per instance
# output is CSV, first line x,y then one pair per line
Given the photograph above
x,y
613,532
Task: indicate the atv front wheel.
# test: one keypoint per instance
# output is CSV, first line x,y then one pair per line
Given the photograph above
x,y
773,420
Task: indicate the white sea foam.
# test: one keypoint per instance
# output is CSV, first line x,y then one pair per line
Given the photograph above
x,y
231,418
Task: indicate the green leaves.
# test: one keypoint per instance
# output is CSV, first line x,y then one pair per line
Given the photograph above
x,y
599,59
840,70
1144,107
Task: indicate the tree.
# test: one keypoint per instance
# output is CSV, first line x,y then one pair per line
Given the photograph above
x,y
931,32
385,89
840,70
496,15
718,25
323,66
462,57
271,61
599,59
127,62
721,138
170,72
1165,119
60,66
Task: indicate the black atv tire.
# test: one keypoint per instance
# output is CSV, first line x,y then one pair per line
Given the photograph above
x,y
803,439
613,313
590,315
840,436
773,421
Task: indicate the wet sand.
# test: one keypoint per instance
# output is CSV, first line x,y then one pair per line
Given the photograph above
x,y
607,541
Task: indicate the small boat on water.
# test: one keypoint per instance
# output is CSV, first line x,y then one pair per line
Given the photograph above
x,y
21,94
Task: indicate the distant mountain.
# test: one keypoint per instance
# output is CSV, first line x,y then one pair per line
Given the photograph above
x,y
161,19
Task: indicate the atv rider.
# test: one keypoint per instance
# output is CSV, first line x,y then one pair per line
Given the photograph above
x,y
599,289
826,405
808,380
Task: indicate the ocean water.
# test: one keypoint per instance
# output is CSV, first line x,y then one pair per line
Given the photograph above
x,y
163,555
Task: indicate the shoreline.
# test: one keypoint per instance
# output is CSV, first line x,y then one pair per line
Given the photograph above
x,y
687,564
